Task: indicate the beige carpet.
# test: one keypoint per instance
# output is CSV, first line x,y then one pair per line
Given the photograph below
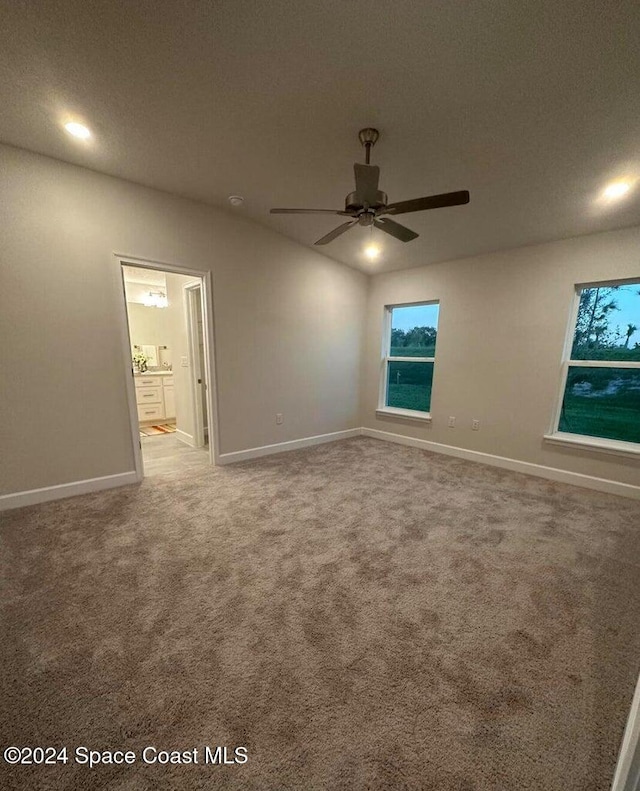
x,y
359,615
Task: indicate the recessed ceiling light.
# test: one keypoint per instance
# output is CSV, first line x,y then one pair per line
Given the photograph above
x,y
617,189
371,251
236,200
77,130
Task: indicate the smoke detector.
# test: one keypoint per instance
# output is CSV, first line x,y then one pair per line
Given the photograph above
x,y
236,200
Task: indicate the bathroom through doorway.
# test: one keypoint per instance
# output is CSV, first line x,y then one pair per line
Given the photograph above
x,y
168,362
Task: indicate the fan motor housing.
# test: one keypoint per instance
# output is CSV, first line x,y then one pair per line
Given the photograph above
x,y
352,204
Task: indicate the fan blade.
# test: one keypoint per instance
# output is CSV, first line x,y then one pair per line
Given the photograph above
x,y
309,211
367,177
395,229
432,202
336,232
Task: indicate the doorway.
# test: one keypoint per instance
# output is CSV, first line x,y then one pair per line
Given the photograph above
x,y
197,352
168,346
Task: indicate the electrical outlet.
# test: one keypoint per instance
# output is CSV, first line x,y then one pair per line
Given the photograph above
x,y
279,419
452,422
184,362
475,425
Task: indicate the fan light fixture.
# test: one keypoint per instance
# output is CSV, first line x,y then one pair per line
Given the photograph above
x,y
371,251
155,299
78,130
367,205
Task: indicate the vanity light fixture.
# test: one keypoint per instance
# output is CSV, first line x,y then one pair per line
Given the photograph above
x,y
155,299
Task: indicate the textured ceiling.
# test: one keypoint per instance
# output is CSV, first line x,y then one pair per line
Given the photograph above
x,y
533,107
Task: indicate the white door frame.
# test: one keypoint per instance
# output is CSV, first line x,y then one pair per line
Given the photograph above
x,y
189,295
627,776
120,260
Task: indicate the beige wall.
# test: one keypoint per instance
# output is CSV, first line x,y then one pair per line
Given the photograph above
x,y
288,321
289,325
502,325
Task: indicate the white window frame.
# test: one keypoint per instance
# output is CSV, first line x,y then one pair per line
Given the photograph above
x,y
600,444
388,411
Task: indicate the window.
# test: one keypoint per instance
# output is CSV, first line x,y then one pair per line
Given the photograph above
x,y
601,370
410,333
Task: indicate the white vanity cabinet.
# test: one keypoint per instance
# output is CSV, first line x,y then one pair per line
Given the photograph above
x,y
154,397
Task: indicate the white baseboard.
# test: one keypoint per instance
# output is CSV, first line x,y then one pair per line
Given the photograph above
x,y
627,776
34,496
186,438
281,447
539,470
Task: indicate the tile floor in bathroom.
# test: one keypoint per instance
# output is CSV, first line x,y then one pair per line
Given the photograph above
x,y
165,454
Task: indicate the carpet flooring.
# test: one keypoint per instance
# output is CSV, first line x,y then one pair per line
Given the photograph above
x,y
358,615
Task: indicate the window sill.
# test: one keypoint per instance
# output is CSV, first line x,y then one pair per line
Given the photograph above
x,y
614,447
405,414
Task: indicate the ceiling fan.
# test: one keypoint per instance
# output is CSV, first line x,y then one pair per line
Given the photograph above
x,y
367,205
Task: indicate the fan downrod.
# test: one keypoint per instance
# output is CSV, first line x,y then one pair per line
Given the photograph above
x,y
368,137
